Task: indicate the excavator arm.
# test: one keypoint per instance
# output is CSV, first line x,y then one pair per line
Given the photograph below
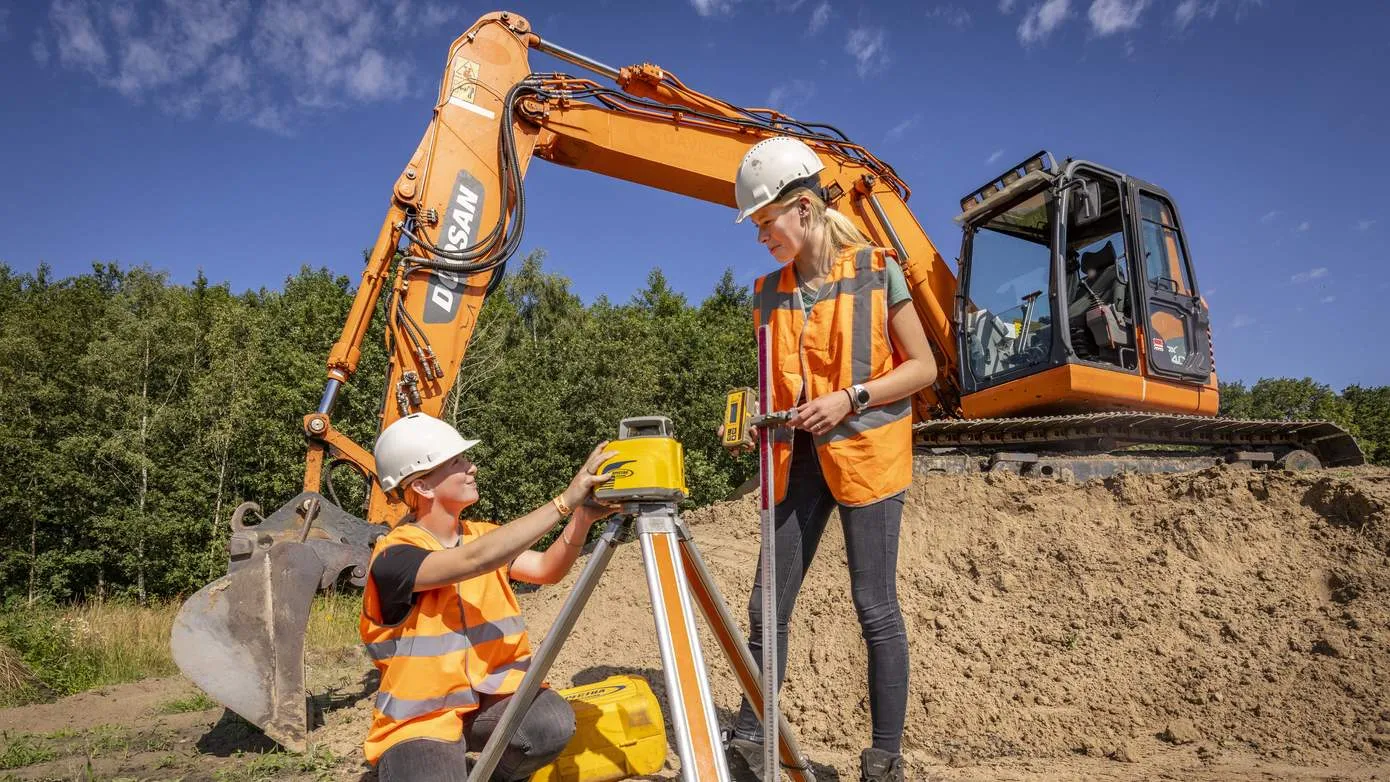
x,y
458,208
456,216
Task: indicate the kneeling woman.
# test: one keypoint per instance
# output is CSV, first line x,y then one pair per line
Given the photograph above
x,y
439,618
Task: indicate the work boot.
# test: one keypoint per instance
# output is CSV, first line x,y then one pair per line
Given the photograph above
x,y
744,756
875,765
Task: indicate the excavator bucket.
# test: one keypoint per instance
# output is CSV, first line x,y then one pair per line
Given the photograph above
x,y
241,638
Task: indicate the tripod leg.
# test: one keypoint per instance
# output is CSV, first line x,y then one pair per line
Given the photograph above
x,y
735,648
544,656
687,682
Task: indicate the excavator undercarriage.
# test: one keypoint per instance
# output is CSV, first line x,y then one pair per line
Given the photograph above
x,y
1099,445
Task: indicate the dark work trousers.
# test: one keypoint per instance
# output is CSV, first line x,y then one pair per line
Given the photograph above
x,y
543,734
871,541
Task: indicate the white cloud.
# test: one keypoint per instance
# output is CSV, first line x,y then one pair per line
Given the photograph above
x,y
1364,225
869,48
372,79
899,130
819,17
1311,274
788,97
1112,16
4,24
1042,19
1241,321
1188,11
229,73
713,7
951,15
122,15
994,158
1007,6
436,14
1304,226
269,65
787,6
79,46
1270,216
1328,299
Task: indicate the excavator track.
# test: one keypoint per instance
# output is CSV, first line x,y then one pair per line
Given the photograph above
x,y
1100,444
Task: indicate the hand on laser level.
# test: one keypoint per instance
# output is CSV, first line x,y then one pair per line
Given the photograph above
x,y
736,450
588,477
822,414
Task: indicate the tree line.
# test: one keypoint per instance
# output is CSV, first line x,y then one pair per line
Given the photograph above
x,y
136,413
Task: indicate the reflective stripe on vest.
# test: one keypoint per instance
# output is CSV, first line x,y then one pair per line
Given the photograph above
x,y
435,645
457,643
868,456
401,709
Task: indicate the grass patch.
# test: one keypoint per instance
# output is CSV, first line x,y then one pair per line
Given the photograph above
x,y
25,750
90,645
18,685
333,622
274,765
106,740
48,650
198,701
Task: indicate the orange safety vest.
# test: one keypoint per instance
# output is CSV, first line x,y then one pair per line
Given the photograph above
x,y
458,642
868,456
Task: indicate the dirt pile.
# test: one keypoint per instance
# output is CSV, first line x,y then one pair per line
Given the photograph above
x,y
1225,609
1222,625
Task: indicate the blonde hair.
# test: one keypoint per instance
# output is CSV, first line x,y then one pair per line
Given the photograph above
x,y
840,231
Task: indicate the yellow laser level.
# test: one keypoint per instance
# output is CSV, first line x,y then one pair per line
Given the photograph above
x,y
650,465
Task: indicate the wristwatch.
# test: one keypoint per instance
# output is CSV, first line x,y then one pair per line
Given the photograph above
x,y
859,397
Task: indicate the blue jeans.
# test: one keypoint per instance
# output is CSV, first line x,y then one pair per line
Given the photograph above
x,y
541,737
871,542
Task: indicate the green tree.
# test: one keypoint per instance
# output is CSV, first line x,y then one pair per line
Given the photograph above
x,y
1370,409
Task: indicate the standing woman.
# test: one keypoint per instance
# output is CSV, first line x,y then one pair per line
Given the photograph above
x,y
848,352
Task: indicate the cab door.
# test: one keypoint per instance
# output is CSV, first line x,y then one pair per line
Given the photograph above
x,y
1177,323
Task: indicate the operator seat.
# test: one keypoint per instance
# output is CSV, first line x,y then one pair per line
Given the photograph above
x,y
1107,285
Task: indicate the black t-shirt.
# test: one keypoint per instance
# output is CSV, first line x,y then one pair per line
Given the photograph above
x,y
394,572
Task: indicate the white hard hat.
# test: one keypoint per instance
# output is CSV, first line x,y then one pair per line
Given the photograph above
x,y
415,444
769,168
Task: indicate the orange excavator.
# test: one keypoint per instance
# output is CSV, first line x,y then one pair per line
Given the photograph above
x,y
1074,343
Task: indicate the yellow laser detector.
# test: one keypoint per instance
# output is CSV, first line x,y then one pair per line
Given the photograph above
x,y
650,465
739,407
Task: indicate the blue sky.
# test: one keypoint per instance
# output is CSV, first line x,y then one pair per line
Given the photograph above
x,y
247,138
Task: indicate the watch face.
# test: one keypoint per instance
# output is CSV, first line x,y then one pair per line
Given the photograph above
x,y
862,395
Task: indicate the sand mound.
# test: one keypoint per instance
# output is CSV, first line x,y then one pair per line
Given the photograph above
x,y
1235,609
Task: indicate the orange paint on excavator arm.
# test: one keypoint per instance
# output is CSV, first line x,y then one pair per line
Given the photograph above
x,y
453,189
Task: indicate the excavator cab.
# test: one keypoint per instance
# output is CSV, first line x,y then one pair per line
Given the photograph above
x,y
1077,293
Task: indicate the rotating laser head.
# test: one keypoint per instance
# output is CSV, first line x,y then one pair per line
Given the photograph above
x,y
649,466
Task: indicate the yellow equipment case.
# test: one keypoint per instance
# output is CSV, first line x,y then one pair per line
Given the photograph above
x,y
619,733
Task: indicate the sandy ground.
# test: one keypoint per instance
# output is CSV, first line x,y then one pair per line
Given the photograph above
x,y
1222,625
